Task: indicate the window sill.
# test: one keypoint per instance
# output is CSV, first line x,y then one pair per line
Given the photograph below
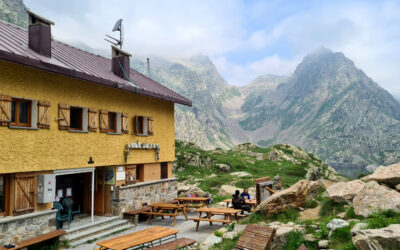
x,y
142,135
77,131
113,133
27,128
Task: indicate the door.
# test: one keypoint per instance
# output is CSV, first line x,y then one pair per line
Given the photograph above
x,y
4,195
99,191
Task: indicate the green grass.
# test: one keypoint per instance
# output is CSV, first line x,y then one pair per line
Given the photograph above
x,y
350,214
294,240
311,203
341,239
290,215
383,219
226,244
330,207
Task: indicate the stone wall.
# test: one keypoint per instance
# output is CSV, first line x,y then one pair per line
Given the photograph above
x,y
27,226
126,198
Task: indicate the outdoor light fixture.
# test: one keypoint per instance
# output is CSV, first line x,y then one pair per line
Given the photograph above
x,y
90,160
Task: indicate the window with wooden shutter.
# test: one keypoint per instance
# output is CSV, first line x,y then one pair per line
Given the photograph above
x,y
24,190
124,123
150,126
5,110
43,114
64,116
103,121
130,174
92,120
164,170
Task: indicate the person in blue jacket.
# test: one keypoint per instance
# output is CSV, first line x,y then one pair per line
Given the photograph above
x,y
245,194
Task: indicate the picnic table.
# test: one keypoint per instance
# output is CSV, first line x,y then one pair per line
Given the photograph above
x,y
140,238
204,201
166,209
230,214
252,203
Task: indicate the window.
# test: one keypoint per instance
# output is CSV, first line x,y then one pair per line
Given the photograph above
x,y
140,125
76,118
144,125
112,122
3,195
139,173
164,170
21,113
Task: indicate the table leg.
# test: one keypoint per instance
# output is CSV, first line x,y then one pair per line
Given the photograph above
x,y
198,223
227,204
176,213
209,215
184,213
150,215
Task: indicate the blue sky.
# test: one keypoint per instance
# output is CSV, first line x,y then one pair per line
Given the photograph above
x,y
244,38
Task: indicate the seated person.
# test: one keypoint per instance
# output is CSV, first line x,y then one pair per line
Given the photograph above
x,y
245,194
238,202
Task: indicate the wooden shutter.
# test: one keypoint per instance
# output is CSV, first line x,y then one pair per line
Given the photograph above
x,y
130,171
103,121
92,120
24,193
150,126
64,116
43,114
124,123
5,110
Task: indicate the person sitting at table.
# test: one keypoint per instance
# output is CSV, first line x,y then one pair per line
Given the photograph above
x,y
238,202
245,194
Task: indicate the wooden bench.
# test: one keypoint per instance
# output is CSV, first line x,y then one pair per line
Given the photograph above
x,y
176,244
197,220
137,211
255,237
36,240
161,214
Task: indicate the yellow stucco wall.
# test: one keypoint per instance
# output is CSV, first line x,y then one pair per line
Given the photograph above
x,y
50,149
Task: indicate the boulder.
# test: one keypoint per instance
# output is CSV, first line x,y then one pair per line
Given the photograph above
x,y
223,167
241,174
323,244
359,226
378,239
342,192
375,197
282,232
185,189
337,223
210,241
295,197
389,175
228,190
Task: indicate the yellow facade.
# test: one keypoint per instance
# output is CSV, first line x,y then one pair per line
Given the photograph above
x,y
23,150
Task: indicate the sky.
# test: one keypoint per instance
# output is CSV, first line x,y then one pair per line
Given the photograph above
x,y
243,38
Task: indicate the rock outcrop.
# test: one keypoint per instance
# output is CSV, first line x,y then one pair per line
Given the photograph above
x,y
227,190
295,196
374,197
282,233
389,175
184,189
378,239
342,192
337,223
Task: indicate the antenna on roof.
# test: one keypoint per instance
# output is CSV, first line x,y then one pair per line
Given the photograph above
x,y
148,67
117,27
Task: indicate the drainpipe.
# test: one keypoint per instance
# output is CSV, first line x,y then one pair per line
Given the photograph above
x,y
92,209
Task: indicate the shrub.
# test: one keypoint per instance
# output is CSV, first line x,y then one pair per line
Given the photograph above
x,y
350,214
218,233
294,240
330,207
341,238
286,216
310,203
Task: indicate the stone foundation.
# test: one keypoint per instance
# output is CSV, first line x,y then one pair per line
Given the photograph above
x,y
27,226
130,197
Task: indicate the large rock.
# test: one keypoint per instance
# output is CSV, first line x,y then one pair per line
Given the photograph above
x,y
374,197
295,196
389,175
337,223
241,174
185,189
378,239
210,241
223,167
228,190
282,233
344,191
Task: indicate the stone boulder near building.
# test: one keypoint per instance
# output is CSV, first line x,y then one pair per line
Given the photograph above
x,y
374,197
389,175
295,197
342,191
185,189
378,239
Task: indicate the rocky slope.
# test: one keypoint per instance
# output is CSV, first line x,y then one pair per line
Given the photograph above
x,y
13,12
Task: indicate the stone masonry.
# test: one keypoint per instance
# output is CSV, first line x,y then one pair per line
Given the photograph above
x,y
27,226
126,198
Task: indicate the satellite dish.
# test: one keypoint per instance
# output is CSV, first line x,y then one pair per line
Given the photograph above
x,y
117,27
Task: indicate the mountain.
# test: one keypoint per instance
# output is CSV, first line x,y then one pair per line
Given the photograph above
x,y
14,12
328,107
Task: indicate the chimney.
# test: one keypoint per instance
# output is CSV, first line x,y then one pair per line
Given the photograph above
x,y
39,34
120,63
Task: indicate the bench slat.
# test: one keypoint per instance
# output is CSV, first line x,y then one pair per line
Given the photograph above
x,y
156,213
212,220
176,244
38,239
255,237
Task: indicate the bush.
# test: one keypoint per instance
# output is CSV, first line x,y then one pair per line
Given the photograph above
x,y
286,216
383,219
350,214
330,208
294,240
310,203
341,238
218,234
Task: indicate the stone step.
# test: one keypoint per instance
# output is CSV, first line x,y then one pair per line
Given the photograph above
x,y
99,236
95,230
95,224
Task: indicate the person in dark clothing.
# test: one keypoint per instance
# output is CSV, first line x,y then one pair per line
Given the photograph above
x,y
238,202
245,194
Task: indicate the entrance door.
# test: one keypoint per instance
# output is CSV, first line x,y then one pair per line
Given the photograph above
x,y
99,191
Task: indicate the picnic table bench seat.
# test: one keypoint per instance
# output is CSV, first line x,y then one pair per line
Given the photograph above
x,y
137,211
211,220
160,213
255,237
176,244
37,240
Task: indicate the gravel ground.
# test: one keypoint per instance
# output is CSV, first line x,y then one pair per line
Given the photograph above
x,y
187,229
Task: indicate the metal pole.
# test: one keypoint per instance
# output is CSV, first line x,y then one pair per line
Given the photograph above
x,y
92,209
148,67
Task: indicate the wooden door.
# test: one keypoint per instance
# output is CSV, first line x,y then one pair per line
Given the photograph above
x,y
24,193
99,191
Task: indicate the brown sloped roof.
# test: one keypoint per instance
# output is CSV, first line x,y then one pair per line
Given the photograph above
x,y
76,63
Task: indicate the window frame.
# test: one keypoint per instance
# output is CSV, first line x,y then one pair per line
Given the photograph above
x,y
162,166
114,114
15,116
6,195
139,173
70,118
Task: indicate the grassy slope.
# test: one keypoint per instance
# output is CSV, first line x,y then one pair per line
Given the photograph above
x,y
243,160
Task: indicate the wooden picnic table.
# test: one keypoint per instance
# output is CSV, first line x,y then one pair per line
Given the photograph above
x,y
230,214
162,209
140,238
204,201
252,203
